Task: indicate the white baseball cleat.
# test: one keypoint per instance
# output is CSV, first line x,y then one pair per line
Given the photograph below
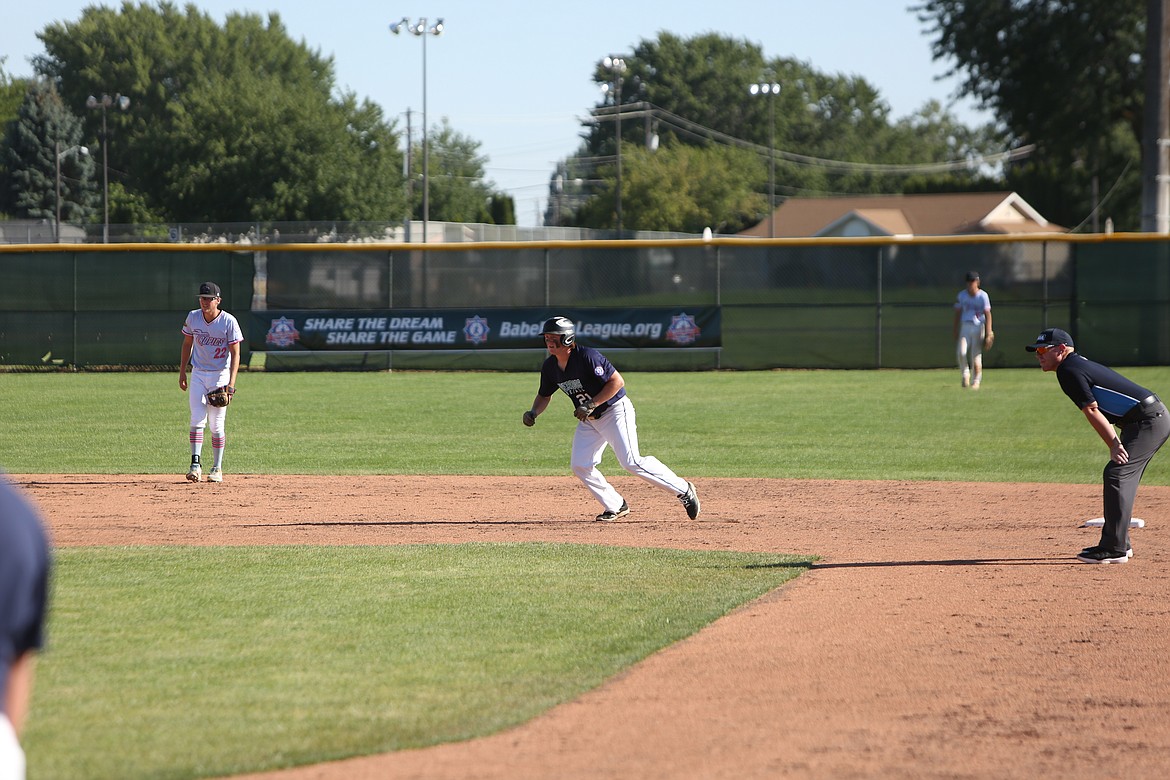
x,y
195,474
215,475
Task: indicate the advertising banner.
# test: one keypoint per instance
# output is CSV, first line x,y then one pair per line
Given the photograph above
x,y
472,329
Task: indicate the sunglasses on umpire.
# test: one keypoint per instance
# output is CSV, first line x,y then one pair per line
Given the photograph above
x,y
1045,350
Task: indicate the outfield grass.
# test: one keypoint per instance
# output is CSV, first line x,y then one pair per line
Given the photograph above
x,y
796,424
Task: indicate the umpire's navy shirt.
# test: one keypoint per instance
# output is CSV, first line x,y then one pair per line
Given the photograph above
x,y
24,580
585,374
1084,382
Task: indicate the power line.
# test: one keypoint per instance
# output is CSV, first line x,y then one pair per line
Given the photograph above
x,y
696,130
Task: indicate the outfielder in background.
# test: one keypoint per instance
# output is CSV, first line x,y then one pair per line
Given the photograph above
x,y
605,418
211,344
24,593
972,330
1106,398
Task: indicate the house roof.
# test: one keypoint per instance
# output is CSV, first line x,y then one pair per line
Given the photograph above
x,y
941,214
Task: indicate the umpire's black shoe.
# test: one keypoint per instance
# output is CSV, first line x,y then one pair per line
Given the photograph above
x,y
690,501
1128,550
607,515
1101,555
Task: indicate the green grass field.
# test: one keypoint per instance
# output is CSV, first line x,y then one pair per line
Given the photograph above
x,y
832,424
183,662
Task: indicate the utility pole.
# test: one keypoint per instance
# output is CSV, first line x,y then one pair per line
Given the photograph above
x,y
1156,123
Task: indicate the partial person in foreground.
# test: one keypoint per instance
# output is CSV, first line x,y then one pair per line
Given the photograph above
x,y
24,593
605,418
972,331
1107,399
211,344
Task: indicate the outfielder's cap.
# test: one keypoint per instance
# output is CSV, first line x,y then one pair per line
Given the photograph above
x,y
972,276
209,290
1050,338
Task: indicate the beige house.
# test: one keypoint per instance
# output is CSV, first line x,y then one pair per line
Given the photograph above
x,y
942,214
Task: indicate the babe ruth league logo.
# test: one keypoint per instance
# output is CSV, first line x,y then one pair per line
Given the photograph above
x,y
282,332
476,329
683,329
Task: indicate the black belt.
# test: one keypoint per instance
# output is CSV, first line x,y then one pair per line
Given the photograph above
x,y
1139,411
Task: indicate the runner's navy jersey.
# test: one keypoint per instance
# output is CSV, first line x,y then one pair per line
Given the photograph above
x,y
585,374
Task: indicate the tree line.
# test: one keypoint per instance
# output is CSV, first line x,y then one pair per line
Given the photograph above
x,y
239,123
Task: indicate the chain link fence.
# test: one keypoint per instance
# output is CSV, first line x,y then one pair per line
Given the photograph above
x,y
785,303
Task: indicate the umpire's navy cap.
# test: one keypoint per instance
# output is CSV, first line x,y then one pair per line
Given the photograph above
x,y
1051,338
209,290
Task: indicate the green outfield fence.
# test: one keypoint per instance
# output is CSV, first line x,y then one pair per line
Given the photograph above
x,y
859,303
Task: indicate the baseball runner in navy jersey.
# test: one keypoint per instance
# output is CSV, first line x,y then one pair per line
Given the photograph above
x,y
24,591
1107,399
211,344
605,418
972,330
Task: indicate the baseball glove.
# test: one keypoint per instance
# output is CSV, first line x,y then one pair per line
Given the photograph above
x,y
989,341
221,396
583,411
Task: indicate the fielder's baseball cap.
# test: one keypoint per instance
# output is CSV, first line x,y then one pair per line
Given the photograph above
x,y
209,290
972,276
1050,338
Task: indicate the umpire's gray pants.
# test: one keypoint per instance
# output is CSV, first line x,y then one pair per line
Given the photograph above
x,y
1141,439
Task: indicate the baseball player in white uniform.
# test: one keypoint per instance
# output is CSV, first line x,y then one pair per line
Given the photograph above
x,y
972,329
211,344
605,418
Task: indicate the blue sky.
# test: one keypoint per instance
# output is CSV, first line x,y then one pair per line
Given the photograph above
x,y
514,75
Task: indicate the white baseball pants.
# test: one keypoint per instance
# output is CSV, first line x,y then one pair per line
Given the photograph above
x,y
969,349
617,428
198,386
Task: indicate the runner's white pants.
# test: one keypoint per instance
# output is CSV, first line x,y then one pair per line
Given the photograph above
x,y
617,428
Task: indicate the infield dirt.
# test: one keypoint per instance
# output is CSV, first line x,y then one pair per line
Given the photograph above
x,y
946,632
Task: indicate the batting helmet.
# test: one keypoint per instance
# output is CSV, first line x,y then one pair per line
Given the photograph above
x,y
563,327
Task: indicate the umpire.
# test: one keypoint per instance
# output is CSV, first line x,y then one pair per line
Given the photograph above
x,y
1107,398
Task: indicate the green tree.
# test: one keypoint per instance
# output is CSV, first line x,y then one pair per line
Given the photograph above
x,y
11,94
226,123
829,131
44,134
458,190
684,189
1065,76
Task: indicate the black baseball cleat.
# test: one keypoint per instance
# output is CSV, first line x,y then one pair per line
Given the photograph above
x,y
607,515
1101,555
1128,550
690,501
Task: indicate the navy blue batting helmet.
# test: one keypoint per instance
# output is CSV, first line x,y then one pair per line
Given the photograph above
x,y
563,327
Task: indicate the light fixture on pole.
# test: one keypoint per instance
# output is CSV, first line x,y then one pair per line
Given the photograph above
x,y
123,103
422,31
617,66
771,89
61,156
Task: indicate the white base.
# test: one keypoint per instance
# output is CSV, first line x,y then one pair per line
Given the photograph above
x,y
1097,522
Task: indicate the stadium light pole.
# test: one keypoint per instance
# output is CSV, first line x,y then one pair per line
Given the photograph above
x,y
771,89
617,66
123,103
61,155
421,30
